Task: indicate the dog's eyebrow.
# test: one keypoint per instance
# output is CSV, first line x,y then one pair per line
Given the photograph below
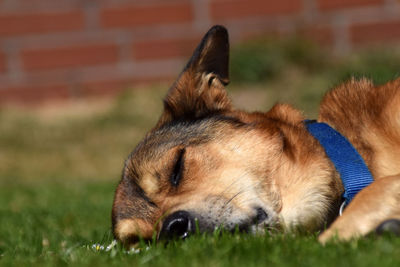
x,y
140,193
131,177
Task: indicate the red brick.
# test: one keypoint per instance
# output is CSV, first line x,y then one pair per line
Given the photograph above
x,y
230,9
257,34
340,4
162,49
76,56
320,35
114,87
135,16
375,32
103,88
3,62
28,23
33,94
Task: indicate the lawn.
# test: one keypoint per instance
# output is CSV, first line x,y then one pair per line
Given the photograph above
x,y
60,164
61,223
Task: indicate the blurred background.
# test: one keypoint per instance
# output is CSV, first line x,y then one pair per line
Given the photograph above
x,y
74,48
81,81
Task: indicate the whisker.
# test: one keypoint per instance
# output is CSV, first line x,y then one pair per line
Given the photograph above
x,y
234,182
229,200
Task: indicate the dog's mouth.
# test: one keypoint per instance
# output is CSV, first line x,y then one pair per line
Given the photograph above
x,y
181,224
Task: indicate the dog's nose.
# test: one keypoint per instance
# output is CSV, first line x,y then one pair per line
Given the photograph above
x,y
177,225
260,216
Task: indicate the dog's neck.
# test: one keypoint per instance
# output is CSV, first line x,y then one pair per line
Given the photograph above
x,y
368,117
310,188
344,110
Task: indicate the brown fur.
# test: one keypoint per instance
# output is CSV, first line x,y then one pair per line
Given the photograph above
x,y
232,163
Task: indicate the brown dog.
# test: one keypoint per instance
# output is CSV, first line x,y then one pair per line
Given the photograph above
x,y
208,163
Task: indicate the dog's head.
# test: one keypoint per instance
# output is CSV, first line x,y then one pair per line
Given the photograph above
x,y
209,165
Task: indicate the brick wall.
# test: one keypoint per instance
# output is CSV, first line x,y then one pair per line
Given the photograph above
x,y
73,48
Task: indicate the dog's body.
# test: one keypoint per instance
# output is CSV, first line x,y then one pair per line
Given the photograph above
x,y
205,161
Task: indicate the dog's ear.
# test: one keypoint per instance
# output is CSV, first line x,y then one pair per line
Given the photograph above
x,y
199,90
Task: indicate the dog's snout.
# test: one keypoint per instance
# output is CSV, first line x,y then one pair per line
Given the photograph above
x,y
177,225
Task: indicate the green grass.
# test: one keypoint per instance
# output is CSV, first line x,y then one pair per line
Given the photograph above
x,y
57,223
59,168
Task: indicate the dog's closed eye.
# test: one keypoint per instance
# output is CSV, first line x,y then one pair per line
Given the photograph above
x,y
176,174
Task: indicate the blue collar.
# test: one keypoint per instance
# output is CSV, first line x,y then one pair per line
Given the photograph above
x,y
353,171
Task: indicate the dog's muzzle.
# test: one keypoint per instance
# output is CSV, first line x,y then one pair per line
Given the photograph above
x,y
181,224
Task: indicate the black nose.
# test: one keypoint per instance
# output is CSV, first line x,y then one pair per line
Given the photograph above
x,y
177,225
261,215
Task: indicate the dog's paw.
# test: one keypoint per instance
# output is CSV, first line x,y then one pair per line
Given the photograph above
x,y
391,226
342,229
341,232
325,236
336,234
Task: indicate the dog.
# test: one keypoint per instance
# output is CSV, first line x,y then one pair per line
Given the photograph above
x,y
206,164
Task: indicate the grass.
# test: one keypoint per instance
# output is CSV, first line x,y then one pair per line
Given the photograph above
x,y
57,223
59,167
